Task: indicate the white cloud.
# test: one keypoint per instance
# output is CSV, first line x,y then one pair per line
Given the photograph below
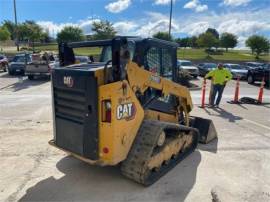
x,y
118,6
195,28
153,23
54,28
243,24
162,2
125,27
235,2
196,5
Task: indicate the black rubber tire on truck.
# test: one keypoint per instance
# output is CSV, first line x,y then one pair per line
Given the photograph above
x,y
31,77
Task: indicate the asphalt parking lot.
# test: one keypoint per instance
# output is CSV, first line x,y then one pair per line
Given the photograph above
x,y
236,167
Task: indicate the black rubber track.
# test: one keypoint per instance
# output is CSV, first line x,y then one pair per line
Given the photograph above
x,y
135,166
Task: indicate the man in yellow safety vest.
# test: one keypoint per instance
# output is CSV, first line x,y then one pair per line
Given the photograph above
x,y
219,76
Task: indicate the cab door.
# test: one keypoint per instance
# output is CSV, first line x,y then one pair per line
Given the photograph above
x,y
159,60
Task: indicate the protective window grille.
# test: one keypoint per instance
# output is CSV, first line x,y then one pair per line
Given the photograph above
x,y
152,61
166,64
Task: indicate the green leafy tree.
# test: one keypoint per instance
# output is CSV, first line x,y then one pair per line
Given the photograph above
x,y
207,40
35,32
215,34
30,31
258,44
163,36
70,33
11,28
45,37
193,42
228,40
103,30
4,34
213,31
184,42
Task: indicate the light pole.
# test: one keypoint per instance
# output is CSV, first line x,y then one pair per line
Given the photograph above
x,y
16,24
170,24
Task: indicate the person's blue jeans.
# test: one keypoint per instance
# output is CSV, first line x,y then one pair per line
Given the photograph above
x,y
217,89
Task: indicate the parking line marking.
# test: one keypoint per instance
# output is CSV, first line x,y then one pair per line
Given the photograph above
x,y
256,123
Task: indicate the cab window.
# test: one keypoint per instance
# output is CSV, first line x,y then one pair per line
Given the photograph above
x,y
152,60
167,65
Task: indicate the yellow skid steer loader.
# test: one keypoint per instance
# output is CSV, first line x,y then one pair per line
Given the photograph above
x,y
124,108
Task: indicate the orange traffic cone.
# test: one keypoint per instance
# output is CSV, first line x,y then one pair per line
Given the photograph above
x,y
260,96
203,93
236,94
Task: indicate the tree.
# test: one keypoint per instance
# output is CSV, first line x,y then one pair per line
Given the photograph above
x,y
103,30
193,42
70,33
184,42
163,36
228,40
215,34
30,31
11,28
4,34
258,44
207,40
44,37
213,31
35,32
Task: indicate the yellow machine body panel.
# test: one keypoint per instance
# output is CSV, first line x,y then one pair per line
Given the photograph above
x,y
116,136
141,80
155,115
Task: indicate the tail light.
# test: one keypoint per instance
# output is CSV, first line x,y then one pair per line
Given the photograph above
x,y
106,111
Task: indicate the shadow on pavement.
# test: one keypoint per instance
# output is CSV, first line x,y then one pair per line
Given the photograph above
x,y
258,84
6,75
83,182
210,147
25,83
223,114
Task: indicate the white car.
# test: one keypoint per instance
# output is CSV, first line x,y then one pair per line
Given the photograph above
x,y
189,67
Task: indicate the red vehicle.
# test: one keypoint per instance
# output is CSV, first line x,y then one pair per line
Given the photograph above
x,y
3,63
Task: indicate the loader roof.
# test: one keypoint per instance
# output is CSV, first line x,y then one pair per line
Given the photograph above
x,y
108,42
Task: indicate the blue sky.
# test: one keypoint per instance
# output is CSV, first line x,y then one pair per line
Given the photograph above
x,y
145,17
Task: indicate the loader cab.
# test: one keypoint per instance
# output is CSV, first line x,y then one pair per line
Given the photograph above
x,y
157,56
154,55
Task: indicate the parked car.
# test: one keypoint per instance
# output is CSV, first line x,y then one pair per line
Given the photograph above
x,y
17,65
3,63
252,65
237,70
257,74
82,59
204,68
189,67
40,65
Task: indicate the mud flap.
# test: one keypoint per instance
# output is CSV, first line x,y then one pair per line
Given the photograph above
x,y
206,128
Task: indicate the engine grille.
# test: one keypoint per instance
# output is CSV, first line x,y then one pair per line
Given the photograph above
x,y
75,111
70,104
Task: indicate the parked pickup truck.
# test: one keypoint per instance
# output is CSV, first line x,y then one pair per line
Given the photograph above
x,y
40,66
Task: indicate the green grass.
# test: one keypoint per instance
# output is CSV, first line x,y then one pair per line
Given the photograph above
x,y
88,51
189,54
78,51
232,55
